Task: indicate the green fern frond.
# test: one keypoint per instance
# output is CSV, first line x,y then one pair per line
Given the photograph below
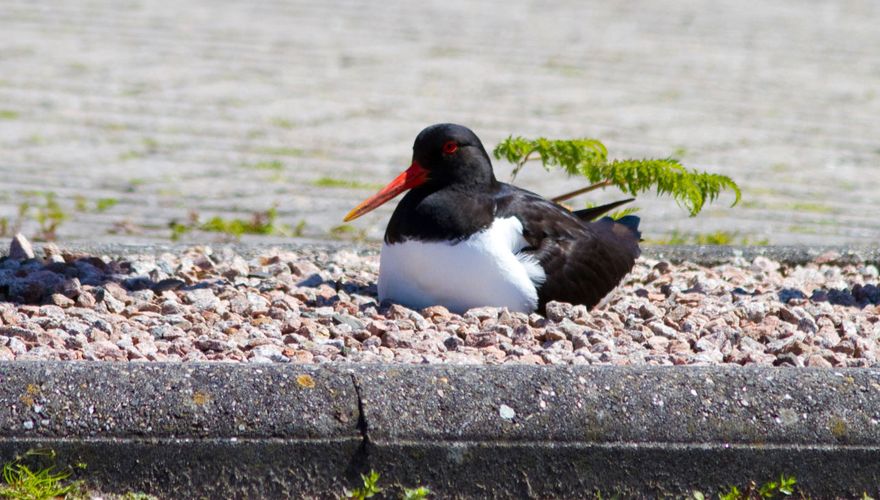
x,y
588,158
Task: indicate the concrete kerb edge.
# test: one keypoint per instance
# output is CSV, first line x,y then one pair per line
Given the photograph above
x,y
541,431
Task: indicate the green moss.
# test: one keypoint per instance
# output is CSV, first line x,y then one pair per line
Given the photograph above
x,y
8,114
713,238
266,165
282,151
798,229
332,182
283,123
817,208
838,428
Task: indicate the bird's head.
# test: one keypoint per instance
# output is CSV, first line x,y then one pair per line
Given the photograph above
x,y
443,155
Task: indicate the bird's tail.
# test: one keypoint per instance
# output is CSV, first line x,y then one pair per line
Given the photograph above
x,y
593,213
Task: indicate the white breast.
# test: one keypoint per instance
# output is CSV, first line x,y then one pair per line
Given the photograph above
x,y
484,270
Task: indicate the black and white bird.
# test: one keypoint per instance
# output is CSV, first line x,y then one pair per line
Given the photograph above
x,y
462,239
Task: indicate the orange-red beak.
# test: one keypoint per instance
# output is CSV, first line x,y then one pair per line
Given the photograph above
x,y
414,176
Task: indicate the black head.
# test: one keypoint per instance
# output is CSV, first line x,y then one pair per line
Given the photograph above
x,y
444,155
452,155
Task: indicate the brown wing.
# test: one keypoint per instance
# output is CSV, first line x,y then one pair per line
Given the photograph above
x,y
582,261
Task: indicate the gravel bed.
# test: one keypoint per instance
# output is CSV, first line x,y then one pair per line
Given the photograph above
x,y
319,305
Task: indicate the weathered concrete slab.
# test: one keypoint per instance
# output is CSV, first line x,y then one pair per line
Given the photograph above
x,y
174,400
187,430
469,431
637,404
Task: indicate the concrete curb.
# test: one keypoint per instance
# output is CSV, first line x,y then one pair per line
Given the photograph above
x,y
229,431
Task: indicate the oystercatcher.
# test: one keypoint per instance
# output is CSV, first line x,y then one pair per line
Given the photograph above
x,y
461,239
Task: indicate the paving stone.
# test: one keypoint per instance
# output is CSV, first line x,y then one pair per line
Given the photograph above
x,y
168,111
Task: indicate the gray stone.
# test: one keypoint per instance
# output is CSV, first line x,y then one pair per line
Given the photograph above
x,y
20,248
202,299
557,311
16,345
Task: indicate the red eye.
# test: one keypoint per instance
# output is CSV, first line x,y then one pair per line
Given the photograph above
x,y
450,147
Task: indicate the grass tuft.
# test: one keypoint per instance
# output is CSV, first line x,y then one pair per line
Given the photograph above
x,y
23,481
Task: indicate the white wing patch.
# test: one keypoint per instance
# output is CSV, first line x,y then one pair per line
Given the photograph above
x,y
487,269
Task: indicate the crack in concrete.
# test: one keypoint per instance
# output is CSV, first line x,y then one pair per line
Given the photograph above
x,y
363,427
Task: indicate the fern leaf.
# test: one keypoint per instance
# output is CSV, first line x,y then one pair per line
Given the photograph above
x,y
588,158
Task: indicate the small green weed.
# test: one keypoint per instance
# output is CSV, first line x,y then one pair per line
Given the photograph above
x,y
266,165
134,184
8,114
332,182
770,489
282,123
49,216
282,151
80,203
150,147
114,127
816,208
150,144
43,207
714,238
370,488
299,228
264,222
419,493
104,204
33,477
178,229
131,155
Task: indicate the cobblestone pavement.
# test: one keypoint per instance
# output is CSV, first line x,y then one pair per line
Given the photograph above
x,y
136,113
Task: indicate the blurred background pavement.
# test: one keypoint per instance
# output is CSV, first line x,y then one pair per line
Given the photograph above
x,y
118,117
